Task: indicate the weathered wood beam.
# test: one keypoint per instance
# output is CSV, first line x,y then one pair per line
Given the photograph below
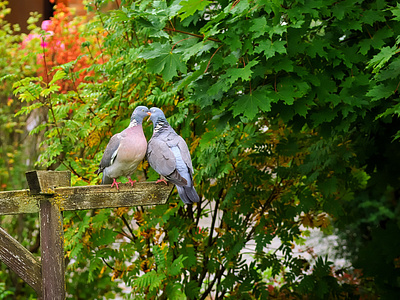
x,y
18,202
21,261
86,197
103,196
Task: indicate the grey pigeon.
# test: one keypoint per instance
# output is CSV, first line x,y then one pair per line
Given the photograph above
x,y
168,154
125,150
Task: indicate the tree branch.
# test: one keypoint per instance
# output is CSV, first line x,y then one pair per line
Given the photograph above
x,y
210,238
192,34
129,227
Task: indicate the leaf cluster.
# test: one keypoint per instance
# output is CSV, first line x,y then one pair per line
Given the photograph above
x,y
289,110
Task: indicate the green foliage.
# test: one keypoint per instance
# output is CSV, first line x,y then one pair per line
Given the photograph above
x,y
17,150
14,58
290,111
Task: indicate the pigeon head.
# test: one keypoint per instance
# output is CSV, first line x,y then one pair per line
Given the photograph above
x,y
138,115
157,115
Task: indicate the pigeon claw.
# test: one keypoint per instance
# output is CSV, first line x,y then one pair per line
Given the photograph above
x,y
162,180
131,181
115,183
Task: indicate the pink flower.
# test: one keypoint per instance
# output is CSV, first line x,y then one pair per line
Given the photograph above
x,y
60,45
43,44
29,38
46,24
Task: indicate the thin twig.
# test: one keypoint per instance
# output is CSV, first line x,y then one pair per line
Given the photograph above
x,y
193,37
69,167
128,226
192,34
210,286
107,264
44,60
125,235
210,238
212,58
136,36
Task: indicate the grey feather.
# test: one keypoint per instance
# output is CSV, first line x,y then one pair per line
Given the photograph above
x,y
168,154
110,153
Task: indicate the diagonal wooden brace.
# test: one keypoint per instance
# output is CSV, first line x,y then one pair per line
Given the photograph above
x,y
21,261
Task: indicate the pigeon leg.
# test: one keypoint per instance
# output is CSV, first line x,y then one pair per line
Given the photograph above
x,y
162,180
116,183
131,181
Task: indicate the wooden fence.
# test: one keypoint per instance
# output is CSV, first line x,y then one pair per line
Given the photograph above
x,y
49,194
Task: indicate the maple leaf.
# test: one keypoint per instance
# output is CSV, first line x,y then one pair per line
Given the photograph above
x,y
161,60
233,74
250,105
190,7
379,60
270,48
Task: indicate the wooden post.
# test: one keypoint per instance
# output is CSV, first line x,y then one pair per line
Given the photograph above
x,y
52,251
52,232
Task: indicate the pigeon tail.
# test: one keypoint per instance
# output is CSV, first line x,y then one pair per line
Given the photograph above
x,y
188,194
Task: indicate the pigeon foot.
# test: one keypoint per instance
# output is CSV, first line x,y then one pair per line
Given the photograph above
x,y
115,183
131,181
162,180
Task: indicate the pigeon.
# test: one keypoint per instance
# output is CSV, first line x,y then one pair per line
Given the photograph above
x,y
125,150
168,154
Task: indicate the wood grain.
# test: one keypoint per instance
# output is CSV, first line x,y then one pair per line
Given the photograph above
x,y
86,197
103,196
52,251
21,261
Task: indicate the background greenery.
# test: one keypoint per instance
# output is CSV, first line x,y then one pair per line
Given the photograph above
x,y
290,109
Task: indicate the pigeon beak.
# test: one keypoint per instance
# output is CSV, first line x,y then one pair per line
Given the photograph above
x,y
149,113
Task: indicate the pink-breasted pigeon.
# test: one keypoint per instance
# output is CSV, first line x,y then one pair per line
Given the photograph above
x,y
169,156
125,150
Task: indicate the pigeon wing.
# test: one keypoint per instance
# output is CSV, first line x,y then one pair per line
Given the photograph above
x,y
110,153
185,153
163,161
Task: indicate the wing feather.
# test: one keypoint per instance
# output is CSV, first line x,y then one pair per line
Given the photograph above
x,y
160,157
110,153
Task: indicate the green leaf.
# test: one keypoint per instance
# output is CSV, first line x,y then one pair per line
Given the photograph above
x,y
379,91
270,48
103,237
379,60
189,7
198,49
396,12
328,186
160,60
176,266
191,78
151,280
60,74
259,27
174,291
250,105
233,74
